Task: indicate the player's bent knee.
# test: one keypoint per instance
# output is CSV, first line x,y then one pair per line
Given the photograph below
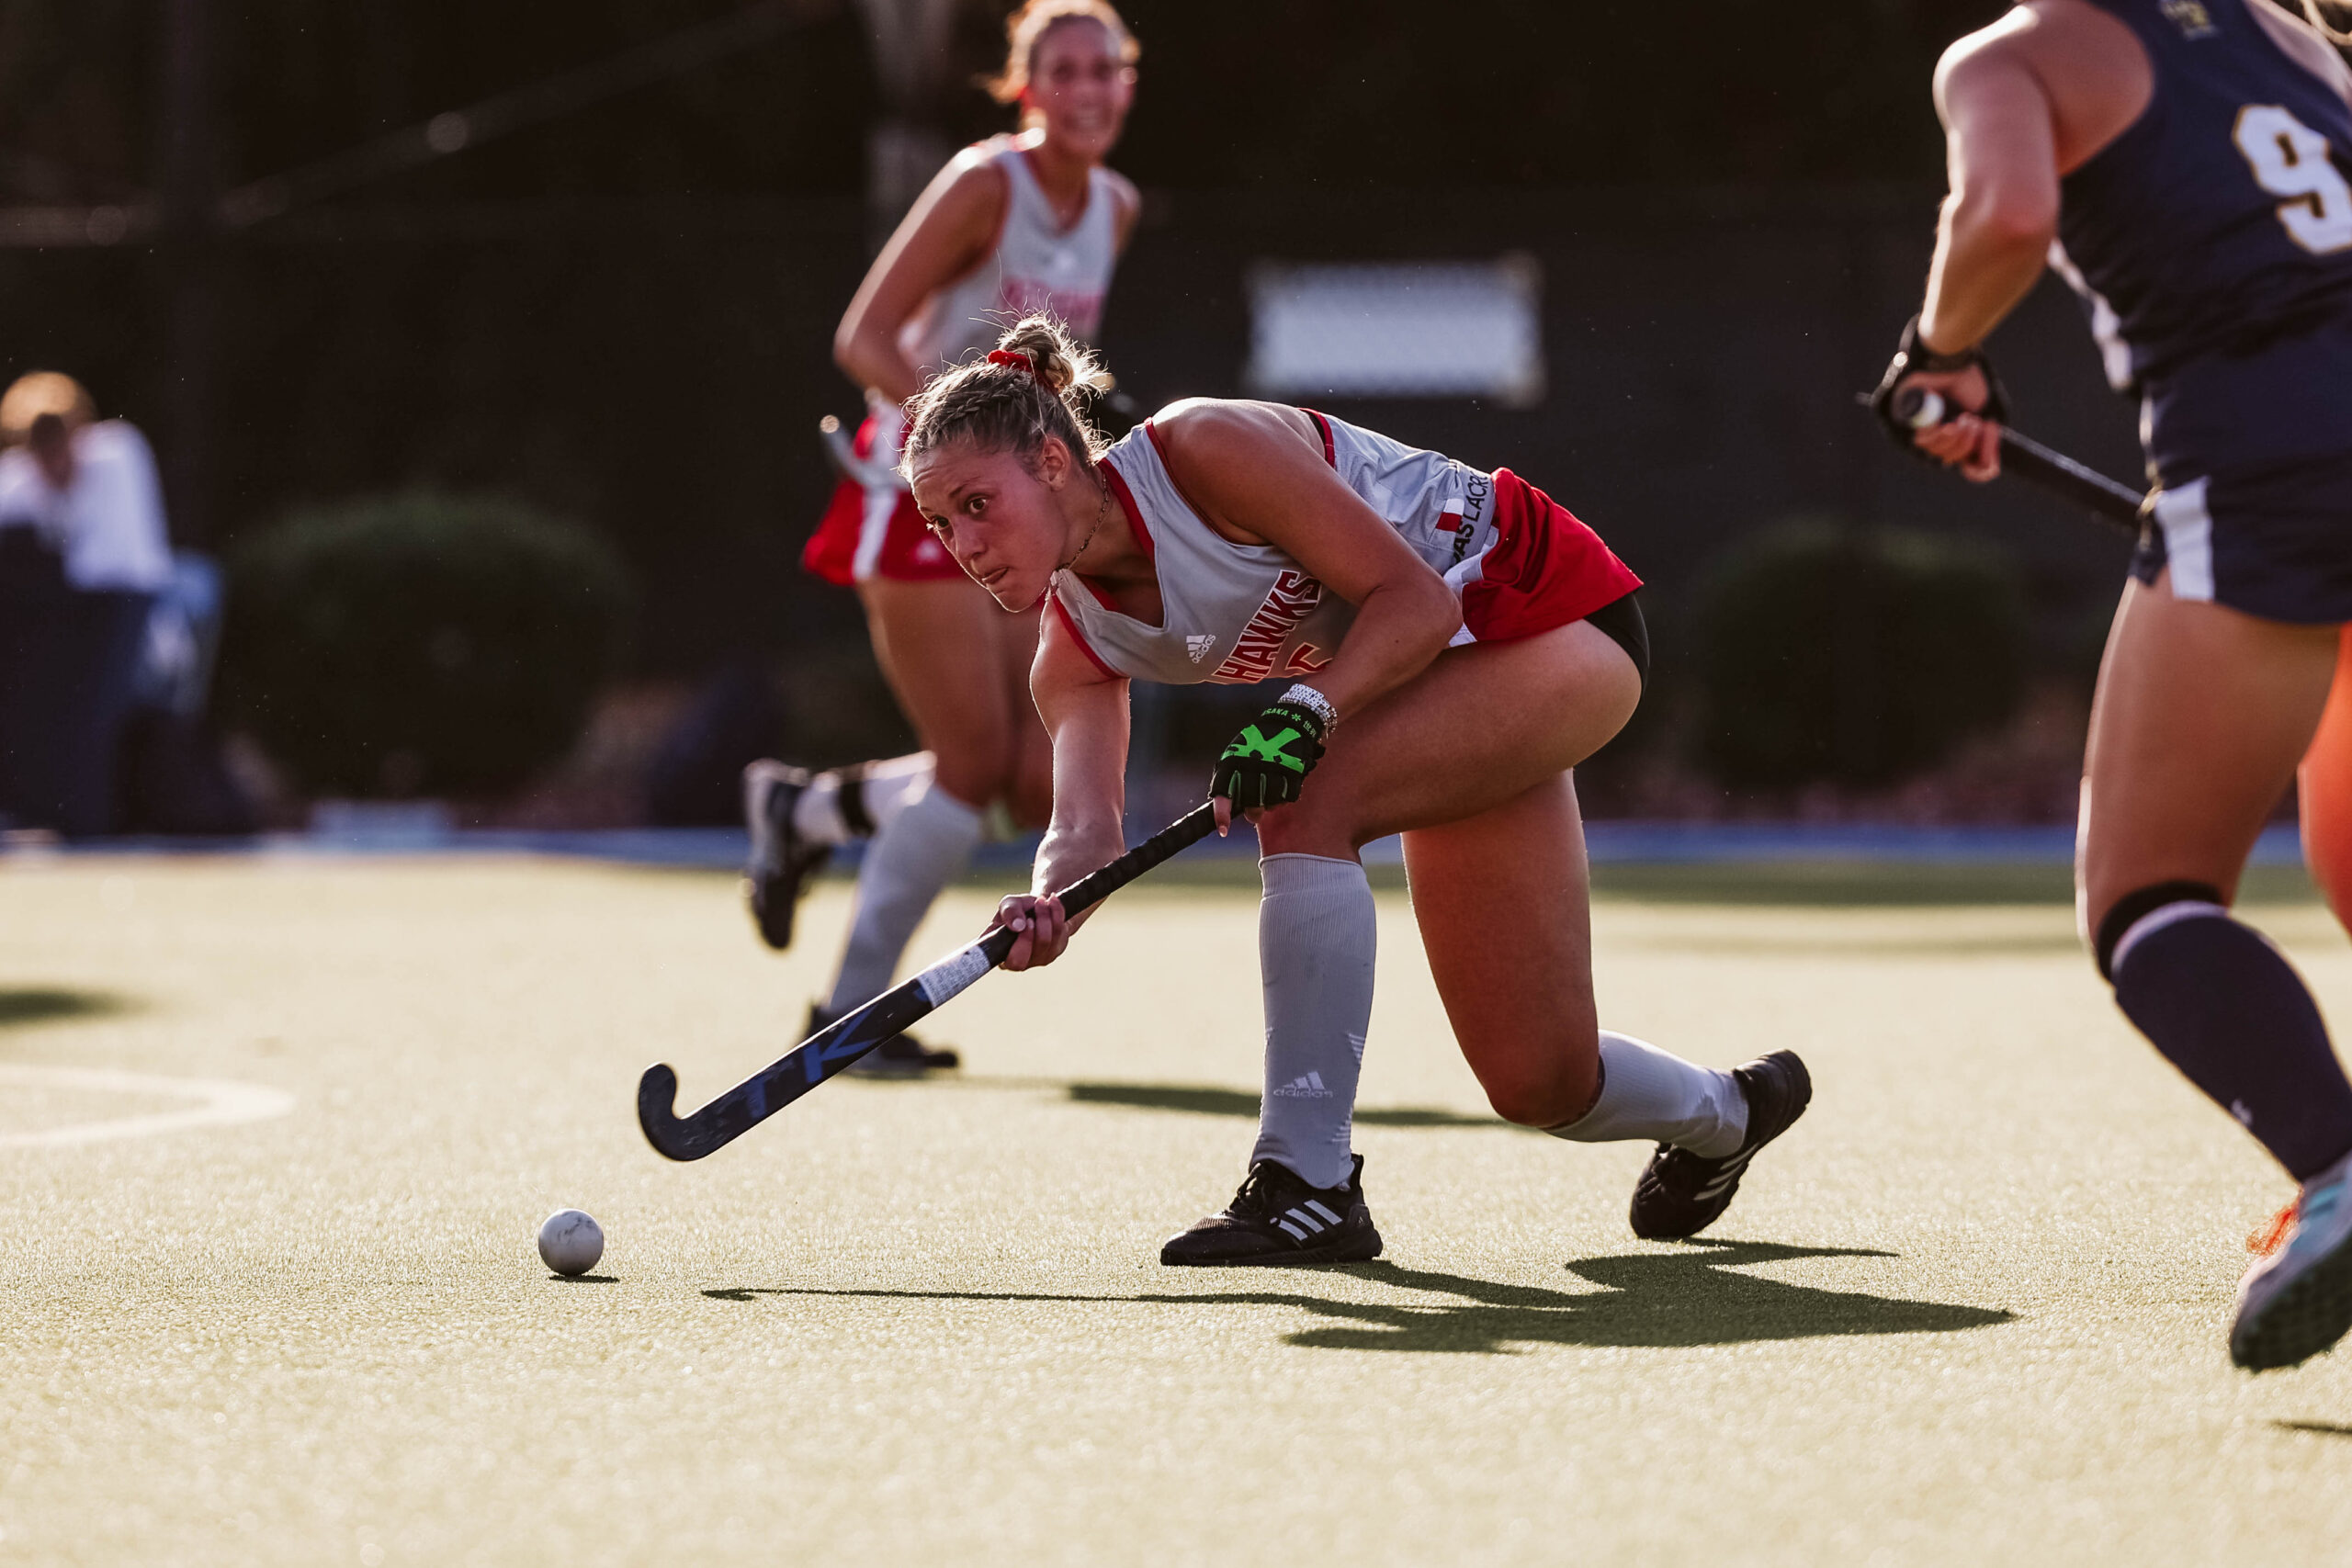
x,y
1541,1100
2145,910
1306,827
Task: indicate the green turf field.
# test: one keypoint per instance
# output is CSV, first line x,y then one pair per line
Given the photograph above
x,y
1969,1312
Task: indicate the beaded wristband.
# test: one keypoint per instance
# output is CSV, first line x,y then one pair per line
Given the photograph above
x,y
1314,702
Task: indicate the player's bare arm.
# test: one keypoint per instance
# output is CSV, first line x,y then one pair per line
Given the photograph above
x,y
945,235
1086,713
1257,473
2003,208
2023,102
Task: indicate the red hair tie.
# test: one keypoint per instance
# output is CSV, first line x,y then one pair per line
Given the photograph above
x,y
1006,357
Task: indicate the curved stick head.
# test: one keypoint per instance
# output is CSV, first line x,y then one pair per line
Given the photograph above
x,y
656,1100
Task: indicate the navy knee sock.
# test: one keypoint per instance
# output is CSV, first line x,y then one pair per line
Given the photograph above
x,y
2225,1006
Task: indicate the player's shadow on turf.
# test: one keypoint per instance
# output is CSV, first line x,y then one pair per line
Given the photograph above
x,y
1199,1102
45,1004
1650,1300
2319,1428
1654,1300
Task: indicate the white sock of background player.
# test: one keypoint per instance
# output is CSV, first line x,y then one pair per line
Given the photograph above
x,y
1316,935
1659,1098
928,840
881,789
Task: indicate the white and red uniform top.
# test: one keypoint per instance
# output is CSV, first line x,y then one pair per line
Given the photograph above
x,y
1035,264
1518,561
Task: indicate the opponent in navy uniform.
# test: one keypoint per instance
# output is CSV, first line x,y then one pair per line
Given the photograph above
x,y
1026,223
2184,163
1457,641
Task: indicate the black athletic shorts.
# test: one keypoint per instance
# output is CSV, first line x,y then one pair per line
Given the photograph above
x,y
1621,620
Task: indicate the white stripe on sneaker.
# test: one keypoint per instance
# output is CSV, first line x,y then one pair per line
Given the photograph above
x,y
1295,1233
1317,1204
1310,1220
1724,1177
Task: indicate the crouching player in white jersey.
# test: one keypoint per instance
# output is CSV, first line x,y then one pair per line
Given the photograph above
x,y
1468,643
1018,224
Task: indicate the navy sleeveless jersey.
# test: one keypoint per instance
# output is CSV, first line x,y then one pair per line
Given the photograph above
x,y
2212,242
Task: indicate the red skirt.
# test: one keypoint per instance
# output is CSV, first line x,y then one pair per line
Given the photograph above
x,y
1545,570
874,533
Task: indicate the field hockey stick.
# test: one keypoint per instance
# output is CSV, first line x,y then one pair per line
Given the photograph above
x,y
828,1051
2109,500
842,450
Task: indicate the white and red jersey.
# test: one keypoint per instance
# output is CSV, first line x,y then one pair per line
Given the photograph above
x,y
1516,560
1035,264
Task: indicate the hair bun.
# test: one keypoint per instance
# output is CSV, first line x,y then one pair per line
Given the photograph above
x,y
1032,386
1054,357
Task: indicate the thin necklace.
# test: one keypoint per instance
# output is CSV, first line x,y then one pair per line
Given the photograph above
x,y
1102,510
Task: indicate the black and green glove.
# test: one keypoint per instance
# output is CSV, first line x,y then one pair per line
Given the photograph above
x,y
1268,763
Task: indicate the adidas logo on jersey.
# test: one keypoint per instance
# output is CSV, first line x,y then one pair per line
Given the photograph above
x,y
1200,647
1308,1088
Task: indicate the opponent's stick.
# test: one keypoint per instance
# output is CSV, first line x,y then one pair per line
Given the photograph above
x,y
843,449
827,1051
2109,500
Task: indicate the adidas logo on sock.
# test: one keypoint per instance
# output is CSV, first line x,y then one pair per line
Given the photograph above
x,y
1308,1088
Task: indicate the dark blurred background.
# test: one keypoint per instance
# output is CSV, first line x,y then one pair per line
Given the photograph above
x,y
244,228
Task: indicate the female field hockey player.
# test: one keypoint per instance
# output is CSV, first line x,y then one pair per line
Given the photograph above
x,y
1030,221
2182,164
1462,643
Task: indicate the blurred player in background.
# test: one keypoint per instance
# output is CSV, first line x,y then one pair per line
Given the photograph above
x,y
81,502
1023,223
2183,163
1468,643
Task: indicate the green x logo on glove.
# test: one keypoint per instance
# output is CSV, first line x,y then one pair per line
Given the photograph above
x,y
1268,763
1251,745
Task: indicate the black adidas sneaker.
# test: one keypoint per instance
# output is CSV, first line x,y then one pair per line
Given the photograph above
x,y
781,862
1278,1219
1681,1193
901,1056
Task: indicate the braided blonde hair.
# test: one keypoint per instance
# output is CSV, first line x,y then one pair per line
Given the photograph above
x,y
1032,386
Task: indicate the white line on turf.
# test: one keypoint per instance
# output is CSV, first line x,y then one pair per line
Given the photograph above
x,y
223,1103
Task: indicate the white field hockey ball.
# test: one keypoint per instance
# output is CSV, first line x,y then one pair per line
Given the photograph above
x,y
570,1242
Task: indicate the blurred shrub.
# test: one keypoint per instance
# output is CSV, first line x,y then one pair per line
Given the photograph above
x,y
420,643
1855,656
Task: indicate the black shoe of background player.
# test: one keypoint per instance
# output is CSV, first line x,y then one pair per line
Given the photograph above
x,y
901,1056
1278,1219
782,862
1681,1193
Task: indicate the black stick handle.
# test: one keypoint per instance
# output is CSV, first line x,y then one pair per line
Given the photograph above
x,y
1178,836
2108,500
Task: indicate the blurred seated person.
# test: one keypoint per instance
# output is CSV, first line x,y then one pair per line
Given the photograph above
x,y
84,550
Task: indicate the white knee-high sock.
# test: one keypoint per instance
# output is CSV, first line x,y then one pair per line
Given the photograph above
x,y
1315,934
1659,1098
882,790
927,843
